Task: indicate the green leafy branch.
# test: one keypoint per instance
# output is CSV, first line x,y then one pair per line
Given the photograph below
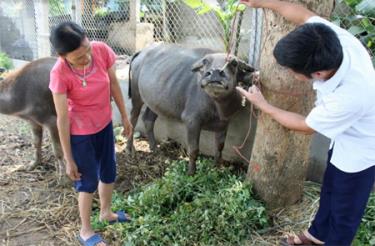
x,y
5,61
56,7
360,22
214,207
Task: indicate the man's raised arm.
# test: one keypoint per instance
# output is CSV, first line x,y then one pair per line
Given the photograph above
x,y
294,13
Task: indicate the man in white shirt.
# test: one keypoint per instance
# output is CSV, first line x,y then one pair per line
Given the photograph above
x,y
344,78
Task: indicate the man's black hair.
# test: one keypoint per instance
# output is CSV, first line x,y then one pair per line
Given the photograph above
x,y
66,37
309,48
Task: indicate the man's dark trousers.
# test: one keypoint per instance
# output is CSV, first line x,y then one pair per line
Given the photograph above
x,y
343,200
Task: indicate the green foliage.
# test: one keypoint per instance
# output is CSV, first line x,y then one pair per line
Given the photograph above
x,y
351,3
101,12
366,7
361,22
210,208
366,232
5,61
56,7
224,14
117,132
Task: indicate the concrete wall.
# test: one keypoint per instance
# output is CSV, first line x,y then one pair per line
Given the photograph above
x,y
19,63
318,158
142,36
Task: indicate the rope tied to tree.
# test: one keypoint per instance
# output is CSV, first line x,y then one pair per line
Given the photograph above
x,y
255,81
231,43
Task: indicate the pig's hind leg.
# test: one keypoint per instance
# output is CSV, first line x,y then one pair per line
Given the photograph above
x,y
149,118
37,131
134,114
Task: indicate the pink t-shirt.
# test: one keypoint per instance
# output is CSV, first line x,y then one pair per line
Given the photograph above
x,y
89,106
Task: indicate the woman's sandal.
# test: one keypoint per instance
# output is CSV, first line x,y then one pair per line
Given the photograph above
x,y
305,241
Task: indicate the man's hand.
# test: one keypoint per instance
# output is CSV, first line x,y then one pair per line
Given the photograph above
x,y
128,128
72,171
254,95
288,119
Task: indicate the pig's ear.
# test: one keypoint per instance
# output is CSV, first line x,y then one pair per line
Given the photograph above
x,y
244,71
241,65
199,64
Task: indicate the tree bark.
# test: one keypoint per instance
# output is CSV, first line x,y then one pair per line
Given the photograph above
x,y
280,157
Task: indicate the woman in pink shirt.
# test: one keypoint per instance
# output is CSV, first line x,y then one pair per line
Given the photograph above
x,y
83,81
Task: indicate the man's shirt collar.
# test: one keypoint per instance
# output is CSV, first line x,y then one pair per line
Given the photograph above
x,y
328,86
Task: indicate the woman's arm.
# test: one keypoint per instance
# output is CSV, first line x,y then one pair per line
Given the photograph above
x,y
119,100
63,125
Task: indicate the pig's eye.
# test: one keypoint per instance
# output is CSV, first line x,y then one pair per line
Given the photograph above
x,y
208,74
222,73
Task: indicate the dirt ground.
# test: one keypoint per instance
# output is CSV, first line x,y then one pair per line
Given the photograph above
x,y
34,210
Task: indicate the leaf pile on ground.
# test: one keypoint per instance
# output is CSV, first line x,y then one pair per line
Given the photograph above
x,y
210,208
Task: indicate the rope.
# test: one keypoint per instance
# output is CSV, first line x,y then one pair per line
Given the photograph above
x,y
237,149
233,33
231,44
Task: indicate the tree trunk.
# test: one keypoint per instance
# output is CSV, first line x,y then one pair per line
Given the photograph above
x,y
279,158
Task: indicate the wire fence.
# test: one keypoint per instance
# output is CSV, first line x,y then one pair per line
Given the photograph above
x,y
130,25
18,29
127,27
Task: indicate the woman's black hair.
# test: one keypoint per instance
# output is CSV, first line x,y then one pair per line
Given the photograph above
x,y
309,48
66,37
